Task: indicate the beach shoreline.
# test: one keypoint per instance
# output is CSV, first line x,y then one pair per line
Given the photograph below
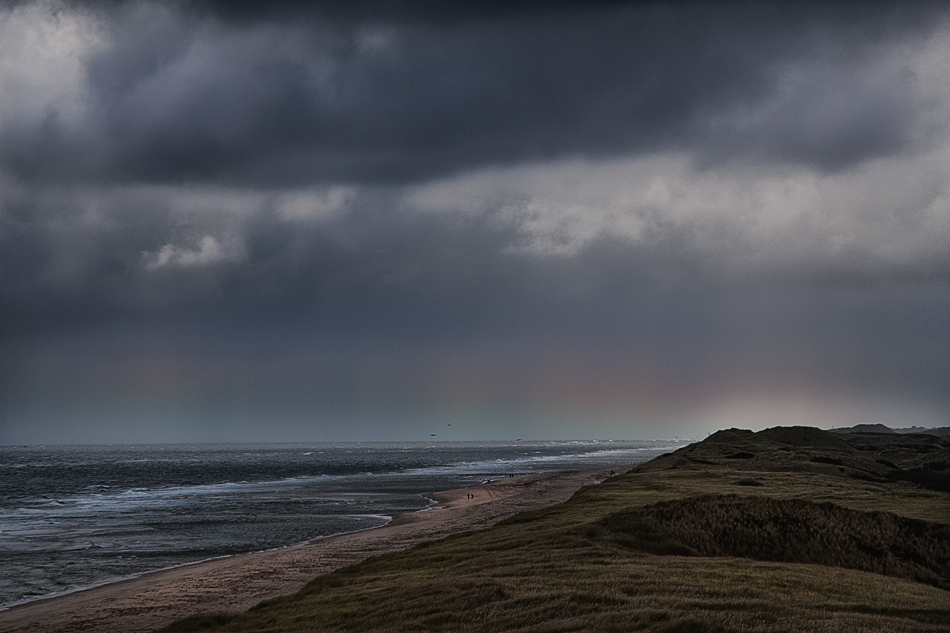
x,y
235,583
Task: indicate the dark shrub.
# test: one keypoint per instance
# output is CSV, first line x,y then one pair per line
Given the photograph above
x,y
788,531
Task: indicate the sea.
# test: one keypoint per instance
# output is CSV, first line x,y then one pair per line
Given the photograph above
x,y
73,517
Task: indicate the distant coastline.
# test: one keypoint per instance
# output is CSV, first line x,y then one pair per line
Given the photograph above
x,y
76,517
156,598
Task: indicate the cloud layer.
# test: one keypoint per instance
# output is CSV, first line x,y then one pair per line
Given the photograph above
x,y
667,198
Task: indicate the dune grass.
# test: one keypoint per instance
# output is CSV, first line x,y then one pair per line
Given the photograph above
x,y
580,566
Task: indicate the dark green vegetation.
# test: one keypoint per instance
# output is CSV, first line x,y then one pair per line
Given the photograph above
x,y
785,530
789,529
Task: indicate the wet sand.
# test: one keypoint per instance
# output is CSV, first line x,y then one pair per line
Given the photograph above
x,y
153,600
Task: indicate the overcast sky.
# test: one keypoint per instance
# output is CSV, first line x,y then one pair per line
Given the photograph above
x,y
242,221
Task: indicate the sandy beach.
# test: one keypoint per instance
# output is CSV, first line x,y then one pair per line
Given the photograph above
x,y
153,600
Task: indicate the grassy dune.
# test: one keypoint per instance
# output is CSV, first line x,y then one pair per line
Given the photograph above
x,y
784,530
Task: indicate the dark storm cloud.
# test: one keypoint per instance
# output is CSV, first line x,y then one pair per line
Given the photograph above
x,y
337,94
369,265
284,207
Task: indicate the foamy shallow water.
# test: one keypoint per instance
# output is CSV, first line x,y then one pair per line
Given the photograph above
x,y
79,516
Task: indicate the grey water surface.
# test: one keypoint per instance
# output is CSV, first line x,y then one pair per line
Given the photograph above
x,y
76,516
